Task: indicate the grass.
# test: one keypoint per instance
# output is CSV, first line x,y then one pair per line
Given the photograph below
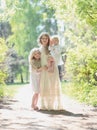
x,y
82,93
10,90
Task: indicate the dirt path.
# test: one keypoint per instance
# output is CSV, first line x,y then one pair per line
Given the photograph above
x,y
16,114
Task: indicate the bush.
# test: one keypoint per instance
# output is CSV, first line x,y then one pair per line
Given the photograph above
x,y
82,67
3,49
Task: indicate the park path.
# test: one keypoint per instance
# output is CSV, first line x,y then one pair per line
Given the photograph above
x,y
16,114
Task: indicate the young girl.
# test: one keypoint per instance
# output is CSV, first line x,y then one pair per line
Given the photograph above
x,y
35,69
50,87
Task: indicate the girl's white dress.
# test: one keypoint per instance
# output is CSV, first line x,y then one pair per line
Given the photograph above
x,y
34,79
50,87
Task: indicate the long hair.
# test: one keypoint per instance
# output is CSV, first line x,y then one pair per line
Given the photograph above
x,y
41,35
31,55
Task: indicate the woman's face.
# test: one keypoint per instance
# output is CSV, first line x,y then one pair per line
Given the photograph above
x,y
44,40
37,55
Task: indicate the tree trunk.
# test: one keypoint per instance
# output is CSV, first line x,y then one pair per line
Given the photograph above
x,y
22,81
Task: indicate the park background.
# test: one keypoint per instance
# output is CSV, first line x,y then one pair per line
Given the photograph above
x,y
75,21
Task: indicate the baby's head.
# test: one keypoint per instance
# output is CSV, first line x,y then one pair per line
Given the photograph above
x,y
34,54
55,40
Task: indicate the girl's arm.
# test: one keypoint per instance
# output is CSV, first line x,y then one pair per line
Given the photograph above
x,y
42,68
33,66
39,69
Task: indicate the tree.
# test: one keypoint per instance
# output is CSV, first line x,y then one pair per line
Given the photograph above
x,y
80,21
5,30
14,65
27,20
87,10
3,49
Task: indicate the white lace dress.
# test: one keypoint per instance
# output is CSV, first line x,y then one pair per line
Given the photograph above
x,y
50,87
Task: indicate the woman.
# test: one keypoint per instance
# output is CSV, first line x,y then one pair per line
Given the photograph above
x,y
50,86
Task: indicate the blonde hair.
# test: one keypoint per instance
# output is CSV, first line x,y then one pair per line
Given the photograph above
x,y
55,37
31,55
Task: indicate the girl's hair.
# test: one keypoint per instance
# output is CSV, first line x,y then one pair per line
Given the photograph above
x,y
31,55
41,35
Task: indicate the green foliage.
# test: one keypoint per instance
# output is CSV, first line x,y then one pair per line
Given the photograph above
x,y
3,76
87,11
14,64
27,20
3,49
83,64
80,22
5,30
82,67
1,91
23,23
9,90
82,92
59,7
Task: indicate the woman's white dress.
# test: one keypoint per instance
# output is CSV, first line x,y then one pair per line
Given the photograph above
x,y
50,87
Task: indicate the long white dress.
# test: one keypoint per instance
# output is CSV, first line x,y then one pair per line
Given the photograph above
x,y
50,87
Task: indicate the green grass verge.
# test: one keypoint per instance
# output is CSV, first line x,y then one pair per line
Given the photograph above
x,y
83,93
10,90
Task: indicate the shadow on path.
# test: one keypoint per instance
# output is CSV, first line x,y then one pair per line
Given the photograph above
x,y
61,112
6,104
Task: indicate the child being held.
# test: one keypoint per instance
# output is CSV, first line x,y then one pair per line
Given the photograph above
x,y
55,50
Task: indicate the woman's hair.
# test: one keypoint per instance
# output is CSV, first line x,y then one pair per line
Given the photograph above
x,y
41,35
31,55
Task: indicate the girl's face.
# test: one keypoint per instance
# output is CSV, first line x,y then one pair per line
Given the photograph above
x,y
44,40
37,55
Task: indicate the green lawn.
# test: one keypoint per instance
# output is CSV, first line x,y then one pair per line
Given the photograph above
x,y
84,94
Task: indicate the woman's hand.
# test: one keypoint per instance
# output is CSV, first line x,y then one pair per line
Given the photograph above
x,y
39,70
45,67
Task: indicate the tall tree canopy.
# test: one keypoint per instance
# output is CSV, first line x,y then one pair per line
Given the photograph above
x,y
27,20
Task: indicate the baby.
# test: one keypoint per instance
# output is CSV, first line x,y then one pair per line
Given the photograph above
x,y
56,51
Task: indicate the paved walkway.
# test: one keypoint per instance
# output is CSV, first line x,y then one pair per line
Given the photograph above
x,y
16,114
